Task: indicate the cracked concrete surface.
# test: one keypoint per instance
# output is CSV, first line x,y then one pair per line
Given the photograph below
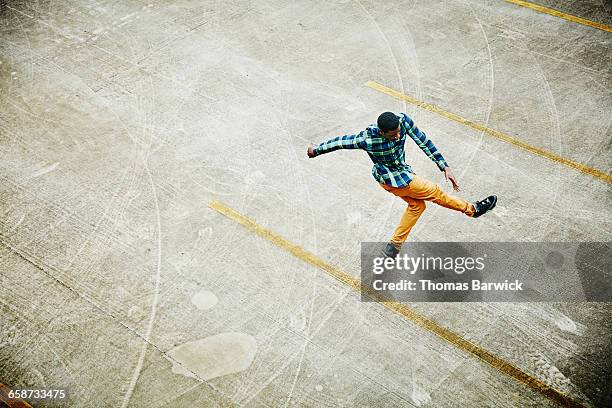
x,y
120,121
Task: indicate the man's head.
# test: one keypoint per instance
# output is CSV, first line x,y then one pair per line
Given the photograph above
x,y
388,123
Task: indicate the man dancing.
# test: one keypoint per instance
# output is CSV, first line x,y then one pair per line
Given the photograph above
x,y
385,146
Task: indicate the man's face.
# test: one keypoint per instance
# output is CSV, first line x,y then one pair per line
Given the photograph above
x,y
392,134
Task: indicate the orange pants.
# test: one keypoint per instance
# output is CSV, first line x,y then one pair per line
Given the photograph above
x,y
415,194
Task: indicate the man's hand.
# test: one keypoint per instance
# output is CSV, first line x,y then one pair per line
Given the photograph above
x,y
310,151
448,174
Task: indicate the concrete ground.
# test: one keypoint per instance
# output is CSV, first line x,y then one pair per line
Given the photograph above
x,y
121,120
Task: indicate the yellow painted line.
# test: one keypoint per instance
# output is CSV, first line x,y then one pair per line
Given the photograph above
x,y
491,132
560,14
399,308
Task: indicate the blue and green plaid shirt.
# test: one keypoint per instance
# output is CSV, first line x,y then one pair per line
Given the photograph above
x,y
390,166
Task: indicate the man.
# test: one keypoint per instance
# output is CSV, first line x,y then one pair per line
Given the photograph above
x,y
385,146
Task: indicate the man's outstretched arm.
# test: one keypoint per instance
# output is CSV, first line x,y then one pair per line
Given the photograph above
x,y
429,149
423,142
356,141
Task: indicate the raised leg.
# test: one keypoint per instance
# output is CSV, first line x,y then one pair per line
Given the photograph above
x,y
423,189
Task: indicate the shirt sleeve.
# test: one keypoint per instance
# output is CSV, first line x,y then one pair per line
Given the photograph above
x,y
356,141
423,142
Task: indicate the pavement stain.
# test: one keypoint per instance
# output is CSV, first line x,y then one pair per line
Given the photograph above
x,y
214,356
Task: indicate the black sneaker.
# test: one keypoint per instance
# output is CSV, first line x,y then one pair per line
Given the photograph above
x,y
390,251
484,205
